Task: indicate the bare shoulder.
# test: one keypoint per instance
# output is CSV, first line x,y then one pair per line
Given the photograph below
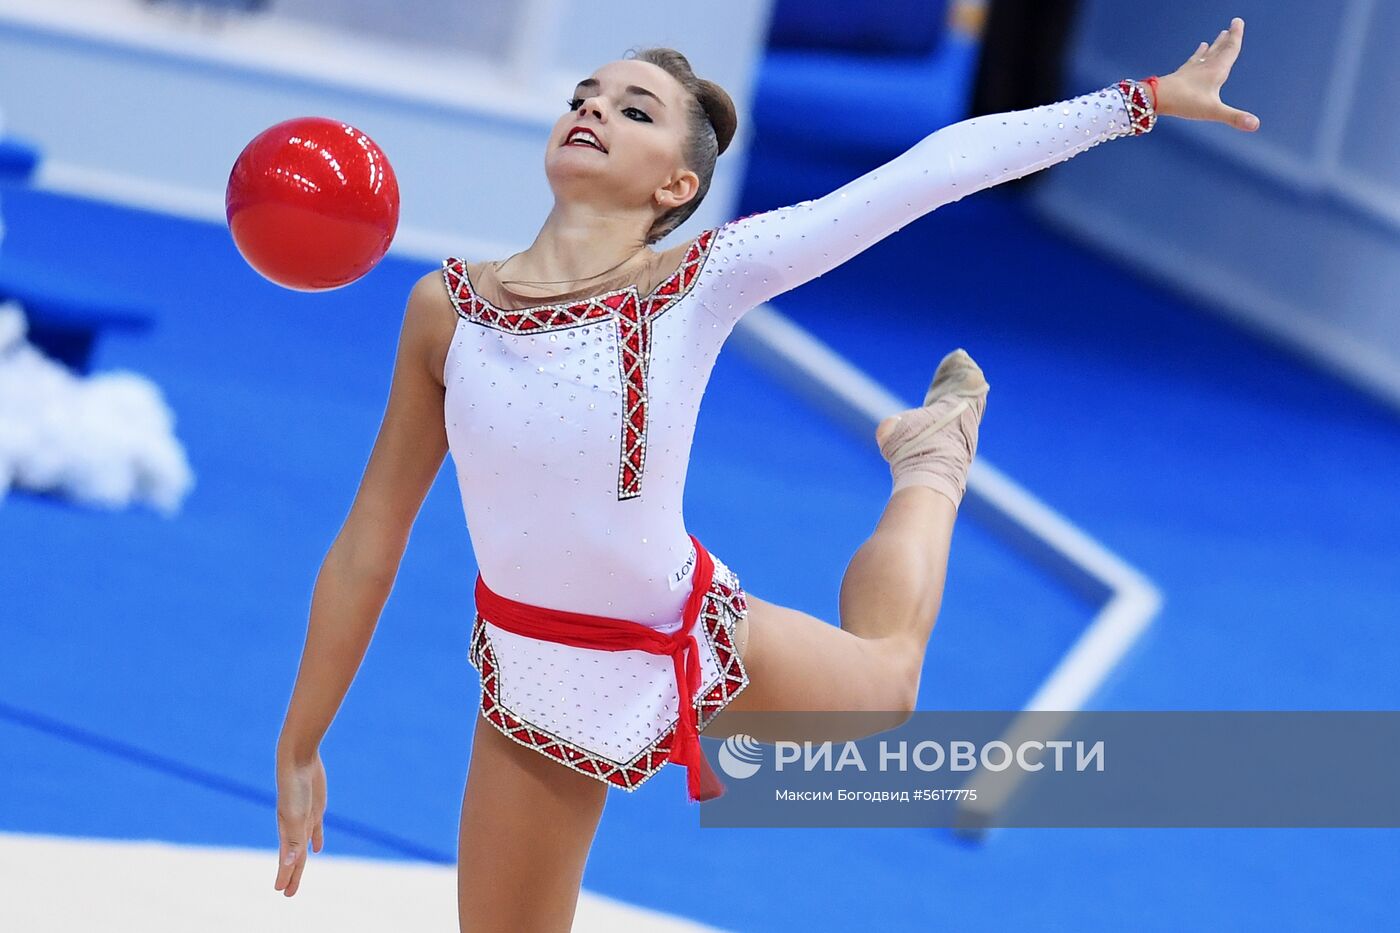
x,y
430,319
429,295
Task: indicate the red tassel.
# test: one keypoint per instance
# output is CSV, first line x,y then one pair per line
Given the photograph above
x,y
704,783
701,782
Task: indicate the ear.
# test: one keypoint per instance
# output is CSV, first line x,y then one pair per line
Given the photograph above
x,y
677,191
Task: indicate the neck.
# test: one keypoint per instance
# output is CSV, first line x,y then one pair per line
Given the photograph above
x,y
578,241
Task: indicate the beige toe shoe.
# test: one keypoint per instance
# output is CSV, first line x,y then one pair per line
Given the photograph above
x,y
933,445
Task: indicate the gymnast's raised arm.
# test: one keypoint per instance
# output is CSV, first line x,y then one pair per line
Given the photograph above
x,y
768,253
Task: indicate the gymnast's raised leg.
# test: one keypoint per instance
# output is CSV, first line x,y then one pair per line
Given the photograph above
x,y
893,586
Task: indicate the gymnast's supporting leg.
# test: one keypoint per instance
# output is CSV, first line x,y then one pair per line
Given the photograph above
x,y
893,586
527,825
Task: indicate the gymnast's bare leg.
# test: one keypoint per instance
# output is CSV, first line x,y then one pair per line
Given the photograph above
x,y
527,825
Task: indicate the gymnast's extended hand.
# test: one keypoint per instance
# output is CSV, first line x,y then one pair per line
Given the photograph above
x,y
1193,90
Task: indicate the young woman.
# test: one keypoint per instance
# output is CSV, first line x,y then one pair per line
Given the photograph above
x,y
566,381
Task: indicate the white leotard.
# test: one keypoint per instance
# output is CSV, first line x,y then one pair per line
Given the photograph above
x,y
570,424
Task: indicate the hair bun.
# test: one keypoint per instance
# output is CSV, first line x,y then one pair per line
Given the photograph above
x,y
719,108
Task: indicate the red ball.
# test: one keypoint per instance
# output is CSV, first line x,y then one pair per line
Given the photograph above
x,y
312,204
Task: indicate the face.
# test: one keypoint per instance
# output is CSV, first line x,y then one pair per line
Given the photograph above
x,y
636,111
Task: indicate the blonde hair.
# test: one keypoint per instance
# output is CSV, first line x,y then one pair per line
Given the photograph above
x,y
711,120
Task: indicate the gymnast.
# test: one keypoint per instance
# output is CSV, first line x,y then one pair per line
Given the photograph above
x,y
565,381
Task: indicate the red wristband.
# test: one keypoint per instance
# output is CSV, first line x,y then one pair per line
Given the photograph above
x,y
1152,82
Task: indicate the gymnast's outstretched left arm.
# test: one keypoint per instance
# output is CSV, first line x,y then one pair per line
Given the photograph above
x,y
765,254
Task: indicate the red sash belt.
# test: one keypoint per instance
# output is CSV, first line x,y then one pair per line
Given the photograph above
x,y
605,634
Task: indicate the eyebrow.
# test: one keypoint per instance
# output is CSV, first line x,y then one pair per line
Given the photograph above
x,y
631,89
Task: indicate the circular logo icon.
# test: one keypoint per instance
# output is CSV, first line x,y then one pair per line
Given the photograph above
x,y
741,756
